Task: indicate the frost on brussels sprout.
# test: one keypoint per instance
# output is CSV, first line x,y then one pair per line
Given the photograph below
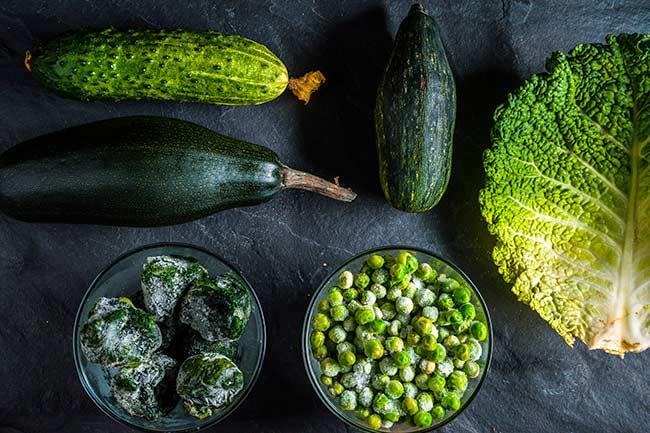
x,y
164,279
207,382
217,308
195,344
118,334
148,389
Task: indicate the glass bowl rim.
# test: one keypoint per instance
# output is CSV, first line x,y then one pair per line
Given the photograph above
x,y
77,323
329,403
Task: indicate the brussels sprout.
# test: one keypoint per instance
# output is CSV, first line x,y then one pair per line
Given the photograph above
x,y
208,381
118,334
164,279
195,344
217,308
148,389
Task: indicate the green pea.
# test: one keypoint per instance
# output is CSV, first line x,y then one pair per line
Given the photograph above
x,y
339,313
380,276
324,306
364,315
350,294
428,343
361,281
413,338
388,310
454,317
436,383
450,401
394,389
427,366
463,352
349,324
422,419
438,412
321,322
374,421
439,353
394,344
378,290
375,261
317,339
403,283
373,349
421,381
425,272
320,353
377,326
379,381
409,260
410,405
445,301
347,358
449,285
345,279
392,416
468,311
335,297
402,359
457,380
423,325
407,374
398,272
478,331
394,327
381,402
337,389
362,413
462,295
330,367
326,380
337,334
472,369
410,290
451,341
443,333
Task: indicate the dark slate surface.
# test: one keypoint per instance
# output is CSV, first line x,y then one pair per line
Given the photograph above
x,y
287,246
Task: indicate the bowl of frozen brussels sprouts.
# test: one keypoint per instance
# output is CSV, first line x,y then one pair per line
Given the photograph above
x,y
397,339
169,338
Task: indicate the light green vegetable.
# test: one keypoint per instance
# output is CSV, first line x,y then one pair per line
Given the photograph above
x,y
386,361
568,189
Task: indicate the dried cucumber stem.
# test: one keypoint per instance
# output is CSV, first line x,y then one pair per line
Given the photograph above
x,y
28,60
304,86
300,180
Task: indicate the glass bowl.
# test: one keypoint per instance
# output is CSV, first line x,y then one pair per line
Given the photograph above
x,y
122,278
354,264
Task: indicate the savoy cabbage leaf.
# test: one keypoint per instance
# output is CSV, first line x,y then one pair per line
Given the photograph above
x,y
567,193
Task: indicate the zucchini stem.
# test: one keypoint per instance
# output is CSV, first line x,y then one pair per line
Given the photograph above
x,y
300,180
304,86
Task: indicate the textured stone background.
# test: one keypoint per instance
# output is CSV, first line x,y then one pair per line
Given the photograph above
x,y
285,247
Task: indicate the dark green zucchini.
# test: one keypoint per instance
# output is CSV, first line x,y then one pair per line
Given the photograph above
x,y
414,117
157,64
142,171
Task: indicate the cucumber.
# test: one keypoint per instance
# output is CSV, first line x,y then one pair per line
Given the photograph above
x,y
142,171
415,114
177,65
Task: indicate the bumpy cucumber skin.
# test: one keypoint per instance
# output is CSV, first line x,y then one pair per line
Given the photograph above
x,y
207,67
134,171
414,117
